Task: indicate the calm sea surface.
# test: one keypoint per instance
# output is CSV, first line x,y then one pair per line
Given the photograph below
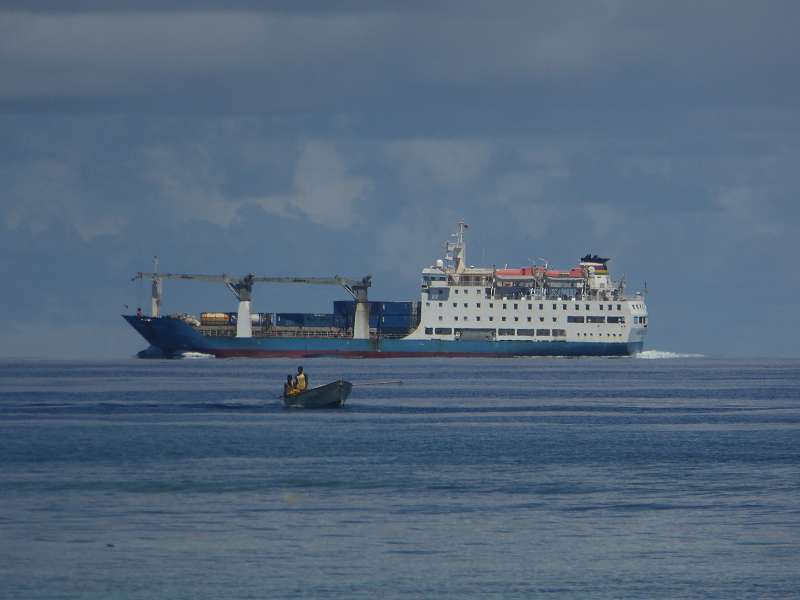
x,y
476,478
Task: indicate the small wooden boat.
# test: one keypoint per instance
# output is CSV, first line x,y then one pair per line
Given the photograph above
x,y
330,395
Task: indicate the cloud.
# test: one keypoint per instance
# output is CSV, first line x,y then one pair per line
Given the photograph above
x,y
606,219
284,59
447,162
188,184
193,184
322,190
746,212
46,193
147,53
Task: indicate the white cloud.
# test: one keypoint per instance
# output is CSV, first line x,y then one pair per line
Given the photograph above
x,y
189,185
448,162
192,185
322,188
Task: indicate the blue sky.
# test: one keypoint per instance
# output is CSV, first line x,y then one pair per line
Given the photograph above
x,y
258,137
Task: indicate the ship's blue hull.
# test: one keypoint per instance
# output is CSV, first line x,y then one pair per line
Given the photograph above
x,y
172,337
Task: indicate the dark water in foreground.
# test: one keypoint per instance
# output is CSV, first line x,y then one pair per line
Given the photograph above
x,y
519,478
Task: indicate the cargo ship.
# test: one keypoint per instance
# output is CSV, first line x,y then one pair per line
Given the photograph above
x,y
461,310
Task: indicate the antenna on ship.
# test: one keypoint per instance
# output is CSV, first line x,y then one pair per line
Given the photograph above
x,y
545,263
460,247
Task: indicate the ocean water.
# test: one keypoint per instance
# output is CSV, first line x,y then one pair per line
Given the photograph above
x,y
674,477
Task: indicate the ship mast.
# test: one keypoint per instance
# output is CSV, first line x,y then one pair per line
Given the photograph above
x,y
456,252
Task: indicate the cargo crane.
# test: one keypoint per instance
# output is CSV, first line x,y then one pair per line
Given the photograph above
x,y
242,288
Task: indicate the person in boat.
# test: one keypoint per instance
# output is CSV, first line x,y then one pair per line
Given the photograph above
x,y
289,388
301,380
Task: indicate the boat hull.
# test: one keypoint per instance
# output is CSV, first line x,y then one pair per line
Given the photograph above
x,y
331,395
173,337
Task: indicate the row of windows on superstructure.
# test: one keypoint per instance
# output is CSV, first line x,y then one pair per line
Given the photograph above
x,y
516,332
465,291
525,332
530,305
570,319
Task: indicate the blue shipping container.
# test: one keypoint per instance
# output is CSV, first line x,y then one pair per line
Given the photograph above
x,y
344,307
397,308
289,319
396,321
305,319
347,309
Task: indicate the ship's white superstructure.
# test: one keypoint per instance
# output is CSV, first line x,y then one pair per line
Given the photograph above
x,y
534,303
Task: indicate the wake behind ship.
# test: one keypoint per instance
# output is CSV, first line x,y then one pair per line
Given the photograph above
x,y
462,311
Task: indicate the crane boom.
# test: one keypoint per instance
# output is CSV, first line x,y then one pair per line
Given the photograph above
x,y
335,280
242,288
187,276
